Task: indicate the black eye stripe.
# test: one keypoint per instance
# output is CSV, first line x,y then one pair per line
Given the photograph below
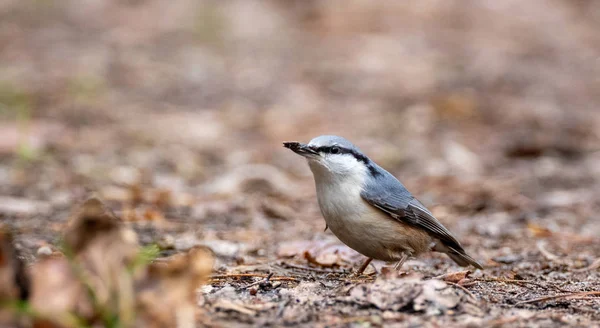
x,y
341,150
329,150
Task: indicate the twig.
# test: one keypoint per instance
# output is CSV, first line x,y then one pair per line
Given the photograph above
x,y
265,280
238,275
251,275
463,289
579,295
520,282
469,284
306,268
360,279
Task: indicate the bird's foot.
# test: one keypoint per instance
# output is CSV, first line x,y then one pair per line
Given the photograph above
x,y
399,264
396,269
362,268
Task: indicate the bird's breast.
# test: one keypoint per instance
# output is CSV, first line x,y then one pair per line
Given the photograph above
x,y
365,228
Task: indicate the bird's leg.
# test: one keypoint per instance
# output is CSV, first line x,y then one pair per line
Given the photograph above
x,y
402,260
363,267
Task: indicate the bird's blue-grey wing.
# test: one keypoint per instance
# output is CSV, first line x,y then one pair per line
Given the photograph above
x,y
390,196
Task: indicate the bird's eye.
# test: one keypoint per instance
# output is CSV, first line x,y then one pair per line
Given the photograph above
x,y
335,150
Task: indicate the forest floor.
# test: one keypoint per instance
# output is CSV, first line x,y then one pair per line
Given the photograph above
x,y
185,146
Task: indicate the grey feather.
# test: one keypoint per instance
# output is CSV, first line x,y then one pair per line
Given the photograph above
x,y
328,140
388,194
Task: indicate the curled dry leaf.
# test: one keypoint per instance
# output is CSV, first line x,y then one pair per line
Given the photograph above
x,y
95,278
100,278
57,292
331,254
166,297
14,283
436,298
539,231
454,277
321,253
413,294
386,295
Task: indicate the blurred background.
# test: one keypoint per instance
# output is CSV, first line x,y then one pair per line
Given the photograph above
x,y
174,112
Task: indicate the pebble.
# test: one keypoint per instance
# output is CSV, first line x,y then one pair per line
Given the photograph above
x,y
44,251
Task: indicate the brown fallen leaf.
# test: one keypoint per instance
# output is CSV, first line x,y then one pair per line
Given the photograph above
x,y
539,231
166,297
153,215
431,296
320,253
454,277
56,292
95,278
14,283
162,198
142,213
99,278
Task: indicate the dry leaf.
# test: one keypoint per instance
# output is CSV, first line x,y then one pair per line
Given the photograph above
x,y
321,253
56,292
100,251
539,231
14,283
166,297
455,277
412,293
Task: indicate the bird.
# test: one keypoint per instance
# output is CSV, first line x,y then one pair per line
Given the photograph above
x,y
369,209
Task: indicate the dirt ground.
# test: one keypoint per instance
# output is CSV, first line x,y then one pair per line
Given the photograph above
x,y
174,113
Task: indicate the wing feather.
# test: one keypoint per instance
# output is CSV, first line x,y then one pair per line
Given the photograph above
x,y
391,197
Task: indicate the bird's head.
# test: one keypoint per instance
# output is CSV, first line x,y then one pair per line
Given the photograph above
x,y
332,156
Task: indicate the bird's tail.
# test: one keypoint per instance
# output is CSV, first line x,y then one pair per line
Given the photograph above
x,y
457,255
462,258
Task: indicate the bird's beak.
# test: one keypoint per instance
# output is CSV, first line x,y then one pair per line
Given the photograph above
x,y
301,149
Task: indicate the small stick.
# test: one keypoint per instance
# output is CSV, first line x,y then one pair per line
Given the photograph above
x,y
463,289
469,284
293,266
517,281
238,275
252,275
579,295
266,279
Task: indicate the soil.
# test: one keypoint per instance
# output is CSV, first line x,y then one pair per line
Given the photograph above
x,y
175,116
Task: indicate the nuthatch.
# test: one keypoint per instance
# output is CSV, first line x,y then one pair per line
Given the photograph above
x,y
369,210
